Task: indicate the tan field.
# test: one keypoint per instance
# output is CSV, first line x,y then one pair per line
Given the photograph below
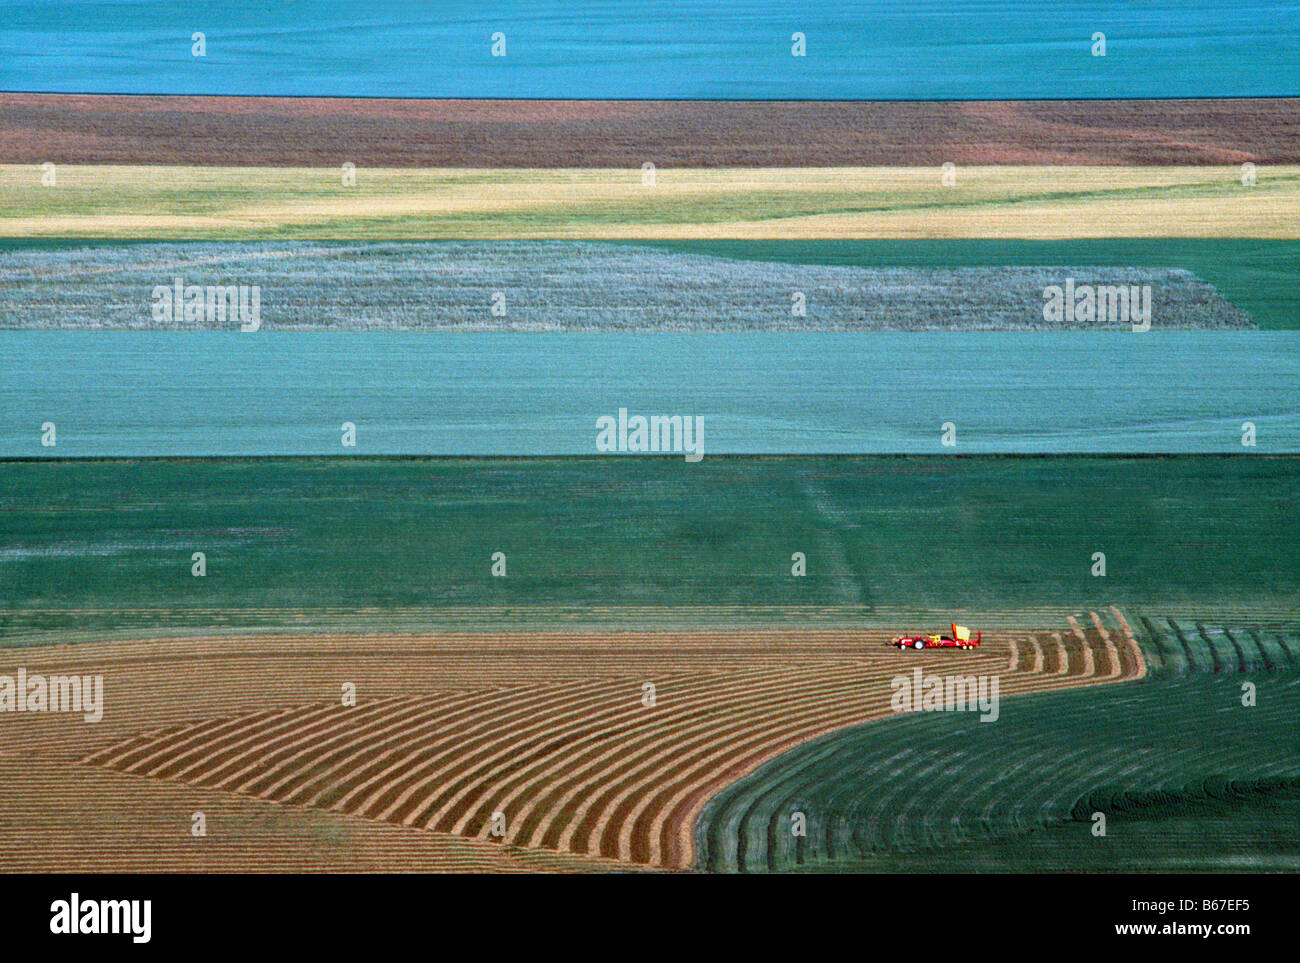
x,y
515,751
1036,202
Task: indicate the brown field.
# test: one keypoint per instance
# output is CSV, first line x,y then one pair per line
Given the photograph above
x,y
312,132
547,729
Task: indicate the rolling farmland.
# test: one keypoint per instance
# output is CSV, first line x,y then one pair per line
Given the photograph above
x,y
505,724
466,644
450,731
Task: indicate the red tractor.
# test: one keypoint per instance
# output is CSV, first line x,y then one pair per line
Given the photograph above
x,y
960,639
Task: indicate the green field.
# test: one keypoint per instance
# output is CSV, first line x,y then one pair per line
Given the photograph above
x,y
1189,779
97,546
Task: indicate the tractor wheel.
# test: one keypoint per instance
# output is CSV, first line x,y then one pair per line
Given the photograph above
x,y
918,645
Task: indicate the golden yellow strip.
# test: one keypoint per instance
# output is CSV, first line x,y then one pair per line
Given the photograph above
x,y
764,203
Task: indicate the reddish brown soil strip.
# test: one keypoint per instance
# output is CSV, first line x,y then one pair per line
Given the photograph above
x,y
315,132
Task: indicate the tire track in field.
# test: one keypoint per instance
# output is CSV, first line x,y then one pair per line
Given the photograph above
x,y
831,538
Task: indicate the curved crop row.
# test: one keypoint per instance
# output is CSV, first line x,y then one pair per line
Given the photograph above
x,y
1191,645
926,781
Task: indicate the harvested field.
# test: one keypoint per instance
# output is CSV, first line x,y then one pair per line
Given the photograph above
x,y
550,730
316,132
564,286
240,203
72,818
534,707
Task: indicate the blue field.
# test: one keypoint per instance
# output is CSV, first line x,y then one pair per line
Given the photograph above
x,y
998,49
